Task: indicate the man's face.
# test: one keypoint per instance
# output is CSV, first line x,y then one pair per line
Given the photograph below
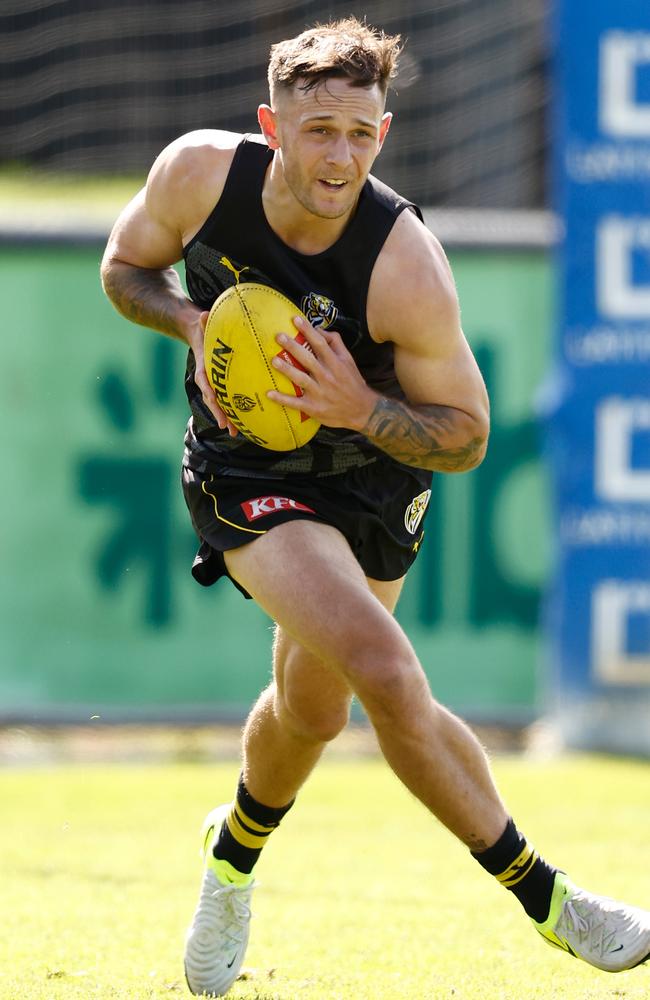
x,y
328,138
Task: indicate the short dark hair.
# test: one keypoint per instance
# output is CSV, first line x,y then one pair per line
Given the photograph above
x,y
346,48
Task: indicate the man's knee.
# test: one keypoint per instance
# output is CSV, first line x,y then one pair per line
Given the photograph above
x,y
311,718
311,698
386,675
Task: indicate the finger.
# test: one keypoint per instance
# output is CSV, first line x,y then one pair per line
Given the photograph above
x,y
291,402
203,320
335,342
210,400
320,340
314,337
297,355
223,421
216,411
293,366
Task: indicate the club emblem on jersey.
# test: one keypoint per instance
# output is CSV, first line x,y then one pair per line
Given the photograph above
x,y
415,511
243,403
319,310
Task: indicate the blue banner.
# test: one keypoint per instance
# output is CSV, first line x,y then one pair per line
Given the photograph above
x,y
599,395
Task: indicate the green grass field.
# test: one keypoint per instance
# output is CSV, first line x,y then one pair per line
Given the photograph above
x,y
25,186
362,896
32,198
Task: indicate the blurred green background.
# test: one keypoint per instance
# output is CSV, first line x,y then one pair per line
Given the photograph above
x,y
99,614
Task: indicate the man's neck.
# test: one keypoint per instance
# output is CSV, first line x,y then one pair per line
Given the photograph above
x,y
300,229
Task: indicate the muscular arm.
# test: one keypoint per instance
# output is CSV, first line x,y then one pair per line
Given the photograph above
x,y
150,297
148,237
424,436
137,273
443,423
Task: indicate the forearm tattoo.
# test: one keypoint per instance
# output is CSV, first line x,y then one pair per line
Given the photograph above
x,y
420,436
151,298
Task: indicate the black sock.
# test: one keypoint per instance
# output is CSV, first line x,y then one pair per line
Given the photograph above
x,y
519,868
246,830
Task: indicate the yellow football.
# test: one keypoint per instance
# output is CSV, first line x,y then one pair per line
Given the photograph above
x,y
239,346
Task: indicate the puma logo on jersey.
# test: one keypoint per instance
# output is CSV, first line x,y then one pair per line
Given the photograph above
x,y
231,267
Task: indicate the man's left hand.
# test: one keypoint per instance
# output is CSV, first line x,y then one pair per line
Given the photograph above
x,y
334,391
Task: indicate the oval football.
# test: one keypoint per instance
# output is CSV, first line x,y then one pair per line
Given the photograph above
x,y
239,346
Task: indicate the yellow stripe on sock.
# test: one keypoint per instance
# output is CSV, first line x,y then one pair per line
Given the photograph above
x,y
247,821
242,836
519,867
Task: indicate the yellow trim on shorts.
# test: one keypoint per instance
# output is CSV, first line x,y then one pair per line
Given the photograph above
x,y
231,524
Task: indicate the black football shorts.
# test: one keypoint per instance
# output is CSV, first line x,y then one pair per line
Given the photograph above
x,y
379,508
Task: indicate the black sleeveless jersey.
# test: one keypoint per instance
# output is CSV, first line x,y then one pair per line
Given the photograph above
x,y
236,242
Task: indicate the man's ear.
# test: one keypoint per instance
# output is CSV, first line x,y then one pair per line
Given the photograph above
x,y
386,119
268,123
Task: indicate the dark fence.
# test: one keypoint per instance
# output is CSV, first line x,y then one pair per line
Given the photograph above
x,y
103,85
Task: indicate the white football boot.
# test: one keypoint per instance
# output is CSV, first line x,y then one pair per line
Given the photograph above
x,y
606,934
218,935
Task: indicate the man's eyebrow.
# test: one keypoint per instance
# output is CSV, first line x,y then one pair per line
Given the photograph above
x,y
326,118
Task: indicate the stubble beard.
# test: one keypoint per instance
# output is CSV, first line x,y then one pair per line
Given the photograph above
x,y
299,189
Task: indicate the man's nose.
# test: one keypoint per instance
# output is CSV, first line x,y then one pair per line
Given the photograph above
x,y
338,152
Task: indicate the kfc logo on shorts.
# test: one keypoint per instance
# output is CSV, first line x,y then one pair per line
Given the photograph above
x,y
415,511
262,506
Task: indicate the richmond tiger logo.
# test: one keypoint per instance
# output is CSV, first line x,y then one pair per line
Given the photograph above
x,y
319,310
416,510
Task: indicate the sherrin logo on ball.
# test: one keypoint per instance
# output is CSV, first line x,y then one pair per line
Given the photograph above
x,y
238,349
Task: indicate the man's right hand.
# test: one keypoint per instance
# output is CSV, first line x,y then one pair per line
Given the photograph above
x,y
195,340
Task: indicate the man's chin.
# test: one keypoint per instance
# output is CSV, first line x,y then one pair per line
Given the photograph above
x,y
337,213
332,210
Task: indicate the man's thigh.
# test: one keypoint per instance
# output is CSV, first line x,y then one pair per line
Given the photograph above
x,y
306,577
387,591
302,678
